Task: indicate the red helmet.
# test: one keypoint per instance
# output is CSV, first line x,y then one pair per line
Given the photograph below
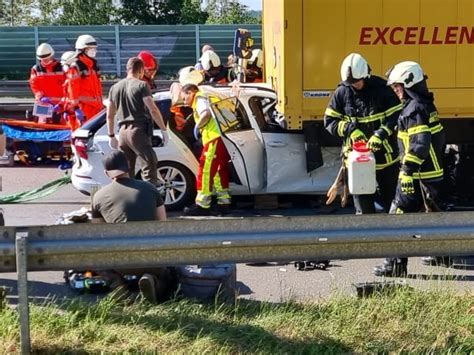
x,y
149,60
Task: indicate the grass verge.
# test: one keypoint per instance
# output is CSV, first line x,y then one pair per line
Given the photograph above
x,y
405,320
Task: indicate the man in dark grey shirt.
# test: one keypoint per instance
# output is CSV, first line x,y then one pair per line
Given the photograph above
x,y
125,200
130,100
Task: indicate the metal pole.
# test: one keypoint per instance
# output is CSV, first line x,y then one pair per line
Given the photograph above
x,y
198,42
117,51
22,272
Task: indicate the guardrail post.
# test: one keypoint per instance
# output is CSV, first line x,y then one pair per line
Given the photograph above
x,y
21,246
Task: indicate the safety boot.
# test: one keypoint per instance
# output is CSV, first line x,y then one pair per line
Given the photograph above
x,y
196,210
392,267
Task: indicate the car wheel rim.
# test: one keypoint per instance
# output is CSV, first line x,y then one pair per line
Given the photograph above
x,y
173,184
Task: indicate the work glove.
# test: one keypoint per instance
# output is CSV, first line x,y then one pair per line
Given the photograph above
x,y
166,137
357,135
407,185
375,143
80,115
45,100
113,142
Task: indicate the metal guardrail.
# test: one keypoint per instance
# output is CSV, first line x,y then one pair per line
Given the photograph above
x,y
146,244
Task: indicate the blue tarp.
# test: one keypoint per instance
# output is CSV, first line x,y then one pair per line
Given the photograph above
x,y
26,134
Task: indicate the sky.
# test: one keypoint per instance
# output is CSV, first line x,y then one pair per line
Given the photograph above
x,y
253,4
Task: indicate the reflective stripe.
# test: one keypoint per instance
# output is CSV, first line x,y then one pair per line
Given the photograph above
x,y
341,127
412,158
386,129
330,112
58,73
428,174
434,117
206,169
387,146
393,109
434,159
418,129
436,129
388,163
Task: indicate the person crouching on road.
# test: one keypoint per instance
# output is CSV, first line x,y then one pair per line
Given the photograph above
x,y
84,90
363,108
421,141
213,172
126,200
47,78
131,101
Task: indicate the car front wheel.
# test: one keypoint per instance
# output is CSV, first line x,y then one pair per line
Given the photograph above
x,y
178,184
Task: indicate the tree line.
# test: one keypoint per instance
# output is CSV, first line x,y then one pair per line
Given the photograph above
x,y
124,12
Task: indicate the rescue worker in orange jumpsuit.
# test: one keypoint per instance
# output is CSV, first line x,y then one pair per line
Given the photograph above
x,y
84,87
151,68
47,78
213,172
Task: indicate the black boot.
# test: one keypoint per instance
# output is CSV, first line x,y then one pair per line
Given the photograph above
x,y
196,210
392,267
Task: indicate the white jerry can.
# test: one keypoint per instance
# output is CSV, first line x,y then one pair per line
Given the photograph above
x,y
361,170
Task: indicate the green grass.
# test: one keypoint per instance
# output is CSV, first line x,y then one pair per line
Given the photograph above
x,y
406,321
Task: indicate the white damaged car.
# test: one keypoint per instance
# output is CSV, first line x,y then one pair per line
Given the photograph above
x,y
265,158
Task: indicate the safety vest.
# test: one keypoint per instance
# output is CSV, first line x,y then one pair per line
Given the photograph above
x,y
84,85
210,131
47,81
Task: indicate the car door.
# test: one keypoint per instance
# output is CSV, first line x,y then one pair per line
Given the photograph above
x,y
245,148
285,151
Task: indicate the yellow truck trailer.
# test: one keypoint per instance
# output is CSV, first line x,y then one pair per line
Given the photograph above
x,y
305,41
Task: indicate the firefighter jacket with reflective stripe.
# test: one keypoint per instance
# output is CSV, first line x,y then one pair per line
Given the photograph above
x,y
210,131
84,85
372,110
47,81
421,140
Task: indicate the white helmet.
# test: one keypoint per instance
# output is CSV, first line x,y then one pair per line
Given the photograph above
x,y
406,73
85,41
354,67
257,58
189,75
44,51
209,59
68,57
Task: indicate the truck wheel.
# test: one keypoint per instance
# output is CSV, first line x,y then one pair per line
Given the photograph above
x,y
178,184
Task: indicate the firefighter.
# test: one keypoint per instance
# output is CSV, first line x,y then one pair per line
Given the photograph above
x,y
363,108
213,172
206,47
151,68
254,71
213,70
421,141
84,87
47,78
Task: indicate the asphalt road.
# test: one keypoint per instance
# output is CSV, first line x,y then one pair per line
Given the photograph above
x,y
272,282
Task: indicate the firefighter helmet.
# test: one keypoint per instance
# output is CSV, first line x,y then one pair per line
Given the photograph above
x,y
44,51
406,73
209,60
68,57
189,75
85,41
148,60
354,68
